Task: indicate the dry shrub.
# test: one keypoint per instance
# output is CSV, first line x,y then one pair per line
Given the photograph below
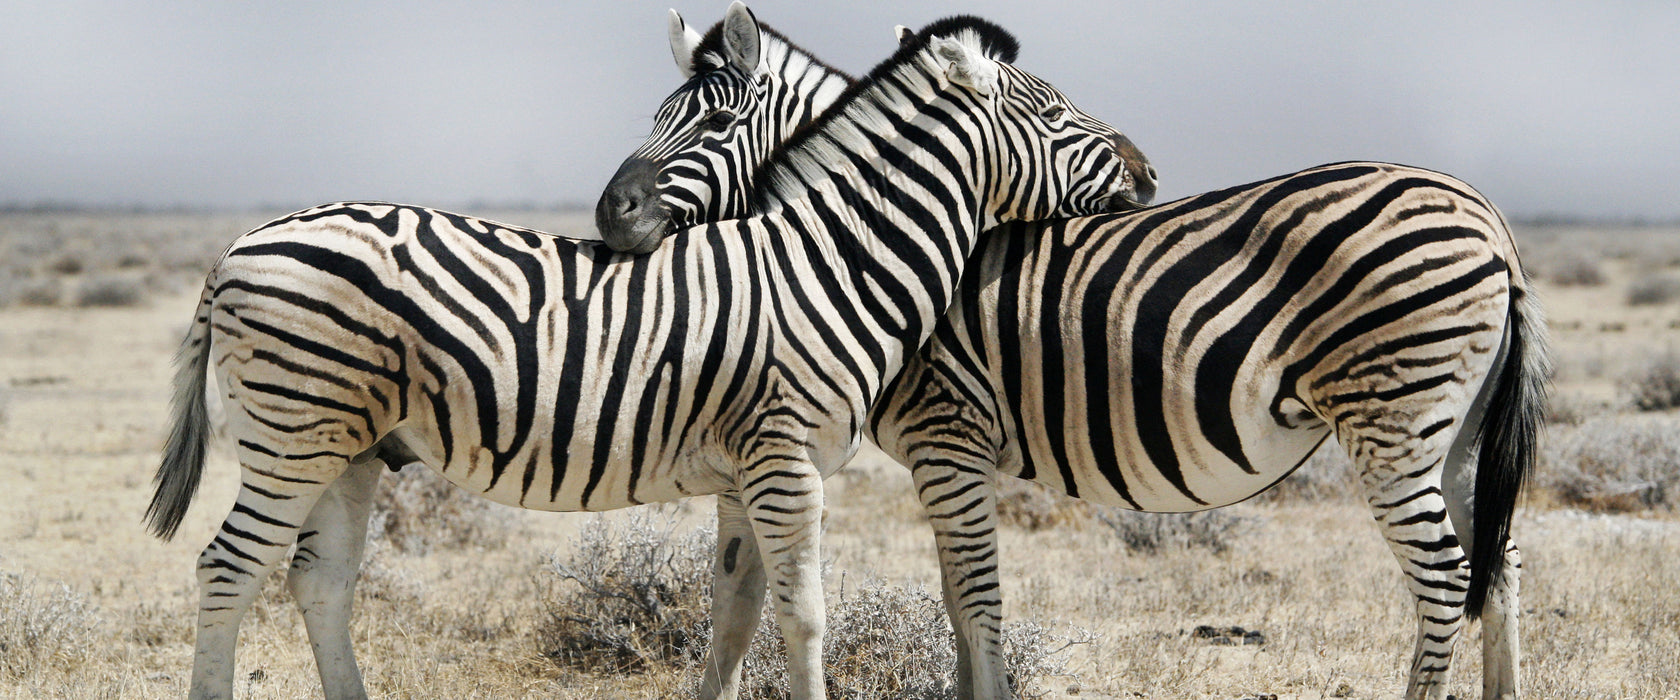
x,y
1655,386
420,510
109,292
1326,475
1154,533
46,291
1573,270
631,595
67,264
1032,507
42,628
894,641
1651,290
1613,463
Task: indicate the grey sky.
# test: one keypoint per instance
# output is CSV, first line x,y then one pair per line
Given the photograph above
x,y
1548,107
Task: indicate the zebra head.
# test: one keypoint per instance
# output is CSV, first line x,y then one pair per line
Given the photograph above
x,y
748,88
1061,161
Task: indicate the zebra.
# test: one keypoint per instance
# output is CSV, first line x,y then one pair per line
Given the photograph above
x,y
1191,355
964,410
748,89
740,358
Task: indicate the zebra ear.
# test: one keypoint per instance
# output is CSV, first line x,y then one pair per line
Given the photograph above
x,y
683,42
740,37
904,34
965,66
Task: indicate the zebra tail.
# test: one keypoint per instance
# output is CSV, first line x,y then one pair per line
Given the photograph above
x,y
1508,435
189,433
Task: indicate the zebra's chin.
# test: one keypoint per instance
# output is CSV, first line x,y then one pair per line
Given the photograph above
x,y
643,235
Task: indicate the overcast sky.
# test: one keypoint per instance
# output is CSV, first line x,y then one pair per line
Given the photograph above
x,y
1568,108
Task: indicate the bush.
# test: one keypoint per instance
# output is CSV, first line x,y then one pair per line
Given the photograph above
x,y
1653,289
629,596
1151,533
635,595
40,292
1656,385
1327,474
420,510
1030,506
1572,270
1613,463
109,292
895,641
41,629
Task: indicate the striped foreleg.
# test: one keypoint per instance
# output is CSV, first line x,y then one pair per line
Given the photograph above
x,y
784,503
737,598
958,489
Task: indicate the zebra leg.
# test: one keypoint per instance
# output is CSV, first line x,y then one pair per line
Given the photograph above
x,y
265,521
1501,648
1403,487
324,570
784,502
737,599
960,499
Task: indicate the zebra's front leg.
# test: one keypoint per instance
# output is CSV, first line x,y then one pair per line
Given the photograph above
x,y
784,503
737,598
959,497
324,572
1412,513
273,501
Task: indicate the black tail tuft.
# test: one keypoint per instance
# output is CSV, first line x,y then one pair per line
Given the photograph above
x,y
1509,437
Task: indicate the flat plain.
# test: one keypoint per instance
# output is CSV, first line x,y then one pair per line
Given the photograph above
x,y
458,596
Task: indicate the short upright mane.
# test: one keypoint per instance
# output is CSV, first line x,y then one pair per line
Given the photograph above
x,y
709,54
782,168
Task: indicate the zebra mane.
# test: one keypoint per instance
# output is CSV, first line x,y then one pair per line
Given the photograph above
x,y
709,54
799,157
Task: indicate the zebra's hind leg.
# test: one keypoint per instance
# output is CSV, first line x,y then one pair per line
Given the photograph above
x,y
959,495
784,503
1401,474
1501,646
273,502
324,571
737,599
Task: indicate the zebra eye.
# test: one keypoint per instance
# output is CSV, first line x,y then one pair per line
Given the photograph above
x,y
1053,112
720,119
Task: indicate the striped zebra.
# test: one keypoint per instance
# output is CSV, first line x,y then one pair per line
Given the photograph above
x,y
1370,300
739,358
748,89
1191,355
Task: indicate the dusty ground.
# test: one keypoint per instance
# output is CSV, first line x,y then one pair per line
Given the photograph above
x,y
93,607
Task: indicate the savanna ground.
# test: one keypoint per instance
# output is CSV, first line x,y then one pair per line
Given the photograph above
x,y
461,598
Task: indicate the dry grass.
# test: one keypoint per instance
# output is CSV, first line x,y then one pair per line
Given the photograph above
x,y
459,615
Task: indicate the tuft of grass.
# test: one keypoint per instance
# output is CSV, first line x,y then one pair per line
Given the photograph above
x,y
419,511
630,596
109,292
1154,533
1654,386
43,629
1652,290
67,264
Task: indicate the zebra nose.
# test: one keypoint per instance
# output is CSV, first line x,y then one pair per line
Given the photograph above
x,y
626,196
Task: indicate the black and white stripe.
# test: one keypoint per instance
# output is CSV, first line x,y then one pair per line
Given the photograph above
x,y
739,358
1191,355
